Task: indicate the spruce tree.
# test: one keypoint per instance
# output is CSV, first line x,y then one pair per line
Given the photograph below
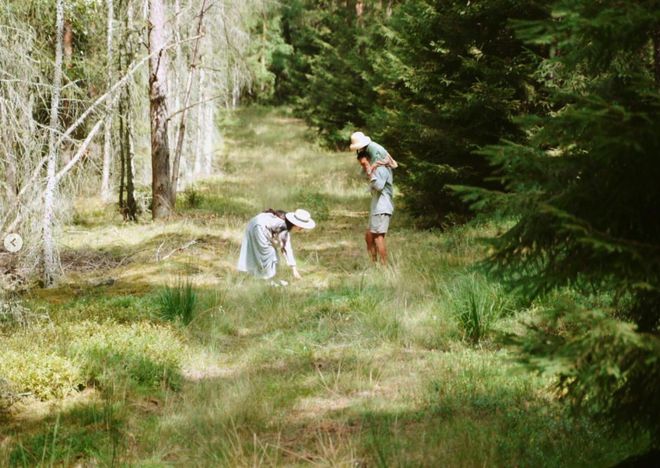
x,y
451,79
583,189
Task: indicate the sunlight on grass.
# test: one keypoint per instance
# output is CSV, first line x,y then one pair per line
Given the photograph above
x,y
354,365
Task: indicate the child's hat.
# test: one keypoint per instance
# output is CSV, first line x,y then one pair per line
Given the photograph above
x,y
359,140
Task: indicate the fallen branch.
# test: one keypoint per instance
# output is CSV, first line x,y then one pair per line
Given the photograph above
x,y
178,249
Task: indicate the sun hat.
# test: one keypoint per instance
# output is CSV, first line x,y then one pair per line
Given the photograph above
x,y
301,218
359,140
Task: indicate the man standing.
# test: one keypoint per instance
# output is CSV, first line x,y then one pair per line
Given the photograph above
x,y
382,191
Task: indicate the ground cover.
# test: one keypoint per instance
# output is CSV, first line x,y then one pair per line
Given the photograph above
x,y
352,365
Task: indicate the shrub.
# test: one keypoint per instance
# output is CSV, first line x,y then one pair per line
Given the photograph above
x,y
143,353
178,302
193,197
43,374
13,314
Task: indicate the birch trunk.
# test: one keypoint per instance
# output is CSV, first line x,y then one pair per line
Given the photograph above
x,y
106,192
161,206
208,134
199,147
186,101
50,258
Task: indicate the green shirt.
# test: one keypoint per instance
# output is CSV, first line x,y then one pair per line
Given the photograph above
x,y
376,153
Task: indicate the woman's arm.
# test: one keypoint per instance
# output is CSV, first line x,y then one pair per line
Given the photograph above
x,y
287,250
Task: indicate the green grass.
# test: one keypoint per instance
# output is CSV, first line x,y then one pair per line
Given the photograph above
x,y
175,359
178,302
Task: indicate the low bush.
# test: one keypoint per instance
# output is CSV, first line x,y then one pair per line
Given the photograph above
x,y
143,353
43,374
192,197
14,314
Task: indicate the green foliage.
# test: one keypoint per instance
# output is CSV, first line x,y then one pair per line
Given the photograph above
x,y
583,189
328,73
192,197
80,435
451,80
432,82
143,353
476,303
179,302
44,374
605,366
314,202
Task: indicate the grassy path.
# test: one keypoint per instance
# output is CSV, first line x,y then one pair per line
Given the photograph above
x,y
353,365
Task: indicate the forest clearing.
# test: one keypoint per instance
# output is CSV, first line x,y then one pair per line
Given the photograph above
x,y
353,364
463,196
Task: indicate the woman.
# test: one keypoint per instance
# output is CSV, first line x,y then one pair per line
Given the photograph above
x,y
265,231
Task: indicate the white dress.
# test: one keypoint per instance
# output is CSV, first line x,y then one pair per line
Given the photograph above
x,y
258,253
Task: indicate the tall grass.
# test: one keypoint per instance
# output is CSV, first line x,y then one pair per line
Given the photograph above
x,y
178,302
354,365
476,303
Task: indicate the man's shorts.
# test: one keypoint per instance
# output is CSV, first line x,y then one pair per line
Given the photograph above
x,y
379,223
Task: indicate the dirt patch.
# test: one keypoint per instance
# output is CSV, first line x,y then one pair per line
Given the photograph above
x,y
195,374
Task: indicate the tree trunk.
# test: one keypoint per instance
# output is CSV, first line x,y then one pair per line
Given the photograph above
x,y
122,151
106,192
199,147
161,206
208,140
656,56
186,101
50,257
236,87
68,43
129,168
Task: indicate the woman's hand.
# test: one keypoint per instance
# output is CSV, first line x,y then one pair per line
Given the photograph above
x,y
296,275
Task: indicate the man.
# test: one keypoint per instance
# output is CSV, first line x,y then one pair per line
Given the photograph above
x,y
381,182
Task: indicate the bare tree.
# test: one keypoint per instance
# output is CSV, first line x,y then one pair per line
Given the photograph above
x,y
50,258
160,152
186,101
106,192
126,132
161,206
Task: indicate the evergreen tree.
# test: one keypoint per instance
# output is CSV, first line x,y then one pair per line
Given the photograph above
x,y
584,190
328,68
451,80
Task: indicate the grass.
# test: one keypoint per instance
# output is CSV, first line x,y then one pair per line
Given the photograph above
x,y
178,302
177,360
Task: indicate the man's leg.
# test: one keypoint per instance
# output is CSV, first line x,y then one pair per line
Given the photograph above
x,y
371,246
381,247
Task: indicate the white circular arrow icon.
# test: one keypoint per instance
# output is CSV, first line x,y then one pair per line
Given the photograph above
x,y
13,242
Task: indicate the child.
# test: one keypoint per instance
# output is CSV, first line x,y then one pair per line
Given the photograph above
x,y
378,156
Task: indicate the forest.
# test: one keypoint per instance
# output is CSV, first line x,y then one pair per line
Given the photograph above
x,y
512,317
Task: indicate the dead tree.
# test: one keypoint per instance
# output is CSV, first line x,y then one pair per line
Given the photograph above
x,y
161,206
50,258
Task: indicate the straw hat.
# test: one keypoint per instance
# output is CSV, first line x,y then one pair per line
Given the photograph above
x,y
359,140
301,218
